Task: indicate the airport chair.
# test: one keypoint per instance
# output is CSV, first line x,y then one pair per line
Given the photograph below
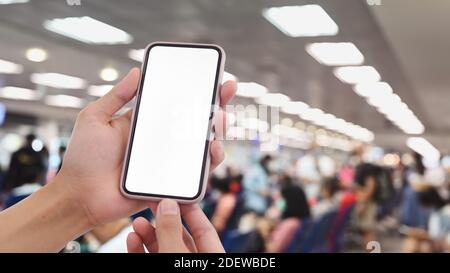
x,y
342,221
317,236
299,236
236,242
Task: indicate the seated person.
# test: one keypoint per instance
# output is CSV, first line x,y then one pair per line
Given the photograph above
x,y
435,239
226,205
30,177
330,198
294,207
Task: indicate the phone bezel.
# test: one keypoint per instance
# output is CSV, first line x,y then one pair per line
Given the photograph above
x,y
206,159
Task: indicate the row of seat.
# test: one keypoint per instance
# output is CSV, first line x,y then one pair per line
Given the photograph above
x,y
324,234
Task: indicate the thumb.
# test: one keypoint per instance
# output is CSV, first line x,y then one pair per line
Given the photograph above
x,y
169,230
121,94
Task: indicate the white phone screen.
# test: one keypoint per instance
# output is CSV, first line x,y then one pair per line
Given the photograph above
x,y
168,149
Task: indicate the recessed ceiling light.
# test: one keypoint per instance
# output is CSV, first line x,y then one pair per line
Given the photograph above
x,y
7,67
88,30
57,80
302,21
109,74
37,145
36,54
18,93
357,74
136,54
335,54
273,99
250,90
99,90
64,101
7,2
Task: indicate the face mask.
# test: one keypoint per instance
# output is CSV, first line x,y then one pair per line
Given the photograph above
x,y
281,205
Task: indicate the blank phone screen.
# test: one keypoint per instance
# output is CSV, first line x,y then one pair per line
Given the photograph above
x,y
168,145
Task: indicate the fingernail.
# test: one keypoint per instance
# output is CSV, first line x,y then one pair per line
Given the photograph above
x,y
168,207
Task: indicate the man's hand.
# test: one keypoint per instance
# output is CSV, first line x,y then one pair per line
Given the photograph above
x,y
169,235
93,162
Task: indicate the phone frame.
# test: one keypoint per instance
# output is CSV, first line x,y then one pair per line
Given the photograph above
x,y
209,134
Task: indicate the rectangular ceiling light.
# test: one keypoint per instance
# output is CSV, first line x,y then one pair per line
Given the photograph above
x,y
376,89
423,147
7,67
357,74
7,2
273,99
57,80
302,21
99,90
381,96
228,77
18,93
88,30
136,54
295,107
250,90
335,54
64,101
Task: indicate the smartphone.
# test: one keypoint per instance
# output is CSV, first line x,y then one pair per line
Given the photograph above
x,y
167,154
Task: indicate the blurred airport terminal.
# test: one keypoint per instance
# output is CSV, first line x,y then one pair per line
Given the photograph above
x,y
338,138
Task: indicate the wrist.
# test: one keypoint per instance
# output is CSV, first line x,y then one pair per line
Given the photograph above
x,y
43,222
73,201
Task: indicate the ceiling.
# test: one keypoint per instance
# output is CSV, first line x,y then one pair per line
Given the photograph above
x,y
405,45
417,34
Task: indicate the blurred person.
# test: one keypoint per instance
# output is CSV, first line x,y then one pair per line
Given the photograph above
x,y
256,186
435,237
329,198
24,164
295,202
411,213
86,194
31,182
46,159
226,213
436,176
312,168
365,212
294,209
33,167
346,176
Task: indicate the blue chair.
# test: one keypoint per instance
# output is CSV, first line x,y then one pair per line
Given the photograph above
x,y
317,236
236,242
299,236
337,233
